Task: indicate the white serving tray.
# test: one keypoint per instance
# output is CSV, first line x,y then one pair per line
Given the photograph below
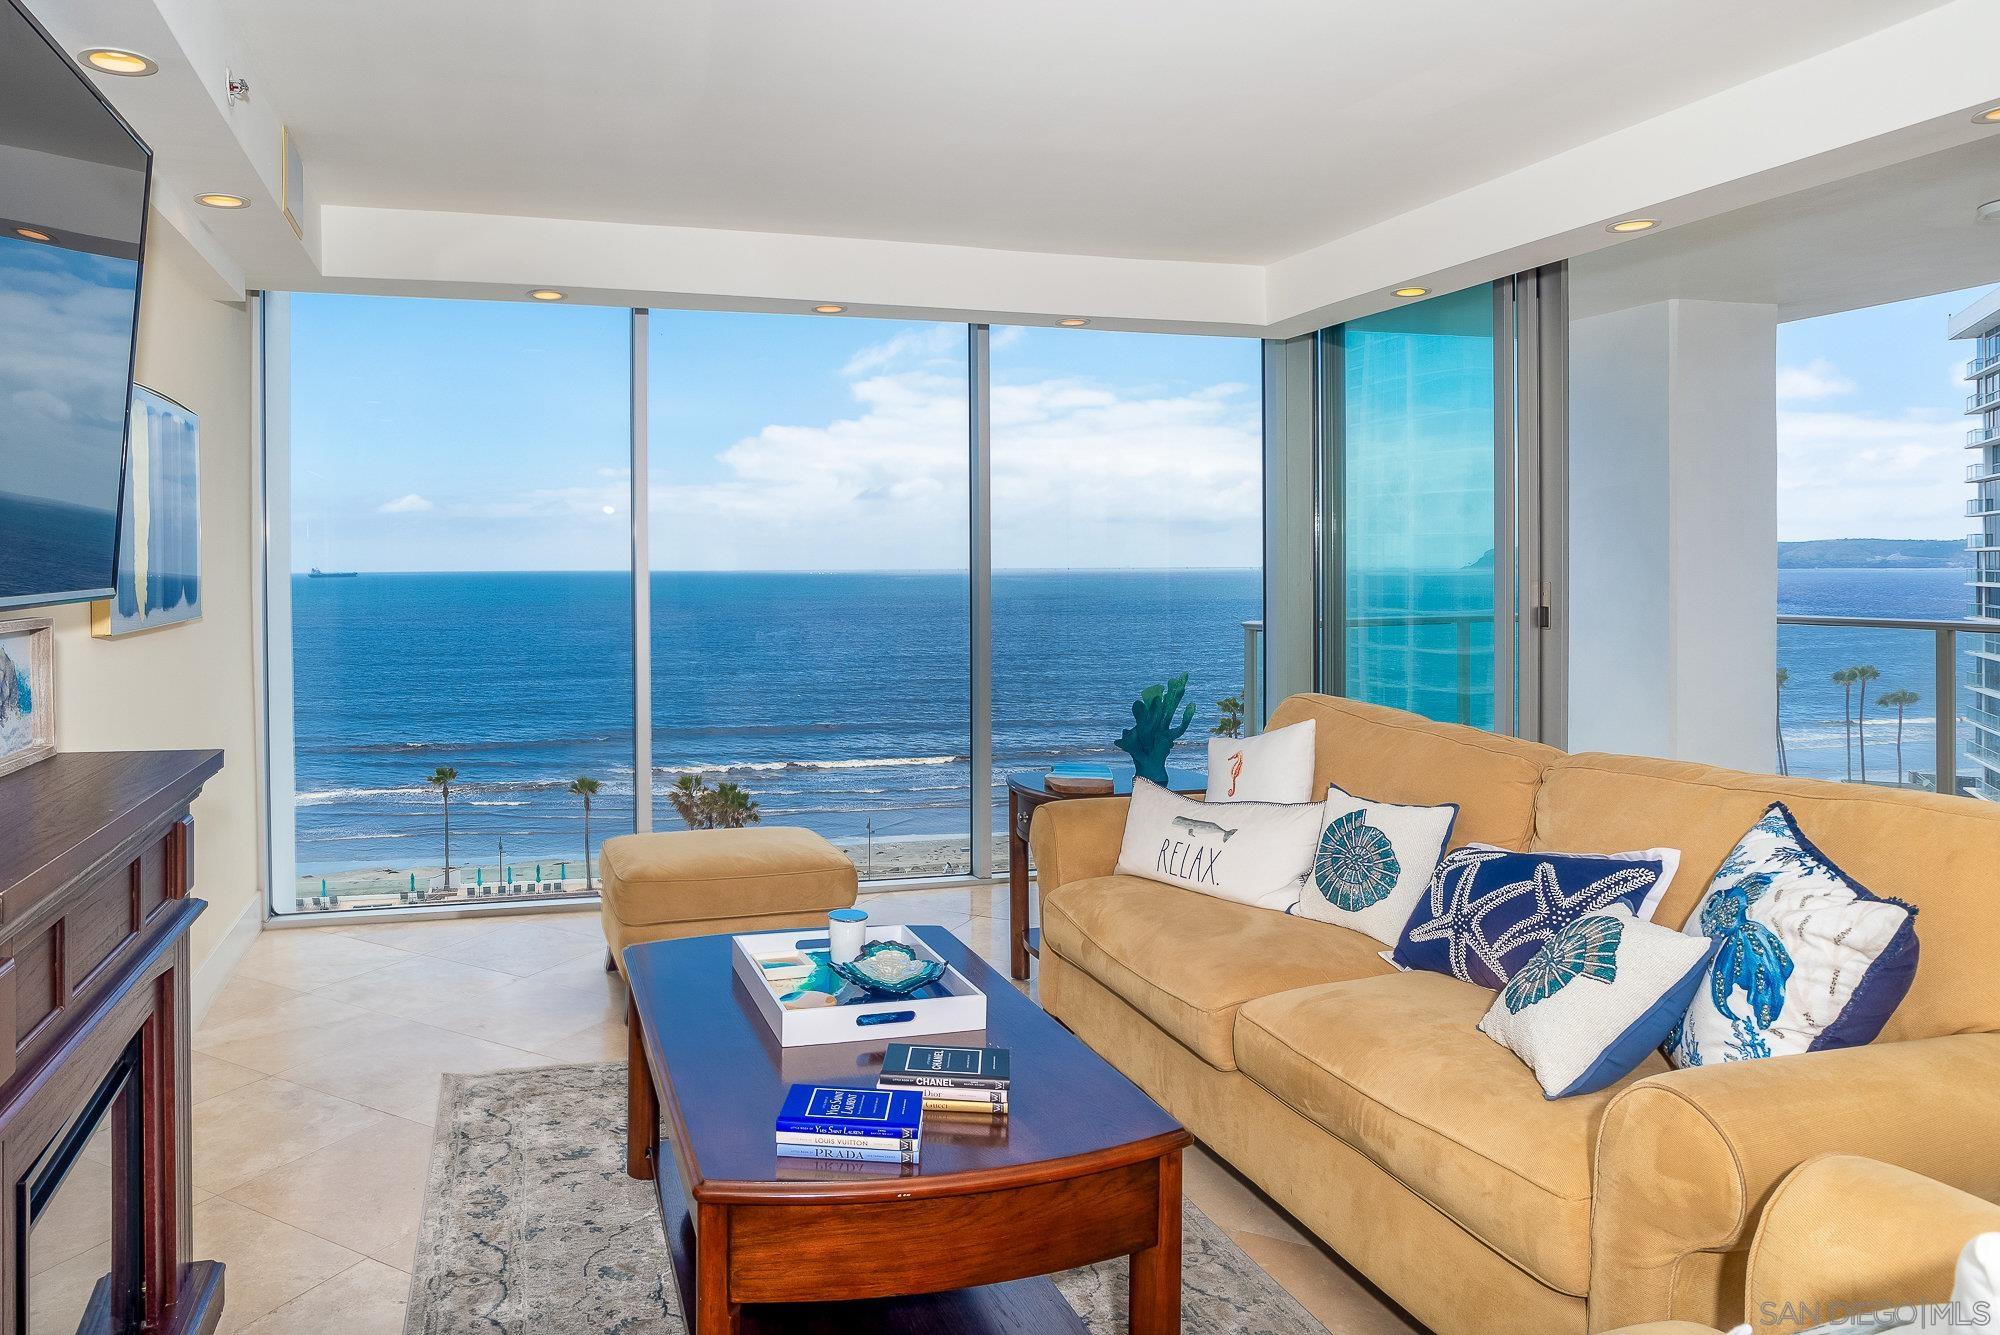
x,y
859,1020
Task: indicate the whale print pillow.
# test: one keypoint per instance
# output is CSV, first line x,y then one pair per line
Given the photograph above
x,y
1252,852
1806,959
1276,766
1372,862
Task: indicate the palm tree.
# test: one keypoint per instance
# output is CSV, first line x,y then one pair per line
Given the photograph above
x,y
1899,701
1784,676
1845,680
586,788
1231,722
689,797
732,808
1863,674
442,779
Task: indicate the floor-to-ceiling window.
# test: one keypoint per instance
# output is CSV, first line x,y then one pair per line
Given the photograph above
x,y
1127,530
459,584
1412,404
455,620
810,541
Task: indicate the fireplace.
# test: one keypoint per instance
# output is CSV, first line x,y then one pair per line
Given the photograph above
x,y
81,1231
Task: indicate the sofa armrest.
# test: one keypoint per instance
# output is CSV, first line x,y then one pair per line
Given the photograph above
x,y
1076,839
1687,1159
1844,1236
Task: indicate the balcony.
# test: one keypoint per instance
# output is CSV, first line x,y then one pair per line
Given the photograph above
x,y
1980,401
1981,436
1982,472
1982,542
1982,505
1979,366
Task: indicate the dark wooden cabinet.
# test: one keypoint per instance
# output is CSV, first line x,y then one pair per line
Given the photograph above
x,y
96,873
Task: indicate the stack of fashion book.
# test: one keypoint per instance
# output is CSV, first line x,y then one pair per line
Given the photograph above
x,y
857,1125
953,1080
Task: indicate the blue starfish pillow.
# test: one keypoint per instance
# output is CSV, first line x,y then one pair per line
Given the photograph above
x,y
1806,959
1597,999
1487,911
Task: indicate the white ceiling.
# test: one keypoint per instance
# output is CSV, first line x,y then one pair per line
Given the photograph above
x,y
1906,230
1175,129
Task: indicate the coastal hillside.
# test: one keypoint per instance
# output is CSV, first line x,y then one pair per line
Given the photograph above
x,y
1865,553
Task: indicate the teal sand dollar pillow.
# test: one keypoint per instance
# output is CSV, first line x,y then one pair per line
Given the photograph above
x,y
1599,996
1372,862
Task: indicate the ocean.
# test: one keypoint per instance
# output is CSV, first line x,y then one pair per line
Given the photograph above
x,y
840,701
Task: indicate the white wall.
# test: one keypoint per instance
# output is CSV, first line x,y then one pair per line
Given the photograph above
x,y
191,685
1673,539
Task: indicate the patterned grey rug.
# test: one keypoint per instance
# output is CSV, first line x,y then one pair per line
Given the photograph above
x,y
531,1226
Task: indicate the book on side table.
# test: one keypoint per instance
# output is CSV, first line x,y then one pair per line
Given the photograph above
x,y
949,1079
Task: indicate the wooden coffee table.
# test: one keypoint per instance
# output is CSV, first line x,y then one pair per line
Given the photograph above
x,y
1087,1168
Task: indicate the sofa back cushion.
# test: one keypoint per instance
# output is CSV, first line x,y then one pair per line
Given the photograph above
x,y
1937,853
1386,755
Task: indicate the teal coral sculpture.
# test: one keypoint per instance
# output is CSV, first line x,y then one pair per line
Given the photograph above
x,y
1153,731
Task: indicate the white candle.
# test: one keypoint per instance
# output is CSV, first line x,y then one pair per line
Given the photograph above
x,y
845,930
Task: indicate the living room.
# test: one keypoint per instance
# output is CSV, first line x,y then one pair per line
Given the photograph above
x,y
504,556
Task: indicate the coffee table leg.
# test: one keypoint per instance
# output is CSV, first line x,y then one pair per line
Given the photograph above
x,y
1017,887
642,1103
1155,1303
714,1314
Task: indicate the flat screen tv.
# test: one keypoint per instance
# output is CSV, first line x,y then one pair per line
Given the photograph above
x,y
73,190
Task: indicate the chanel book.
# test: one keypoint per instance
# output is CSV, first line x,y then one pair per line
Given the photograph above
x,y
934,1066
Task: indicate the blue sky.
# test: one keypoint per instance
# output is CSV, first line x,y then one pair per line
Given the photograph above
x,y
434,435
1870,432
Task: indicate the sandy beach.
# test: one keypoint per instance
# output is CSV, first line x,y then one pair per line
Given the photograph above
x,y
886,857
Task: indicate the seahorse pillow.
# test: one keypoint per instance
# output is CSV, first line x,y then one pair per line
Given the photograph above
x,y
1251,852
1806,958
1487,911
1372,862
1596,998
1275,766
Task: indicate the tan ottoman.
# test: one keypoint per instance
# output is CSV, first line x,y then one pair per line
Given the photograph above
x,y
658,887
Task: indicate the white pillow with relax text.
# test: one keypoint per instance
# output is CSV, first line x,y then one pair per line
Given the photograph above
x,y
1275,766
1252,852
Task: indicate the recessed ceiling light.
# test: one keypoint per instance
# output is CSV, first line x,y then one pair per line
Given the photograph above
x,y
1407,292
222,201
1988,212
546,294
1073,322
115,60
32,234
1990,116
828,308
1632,225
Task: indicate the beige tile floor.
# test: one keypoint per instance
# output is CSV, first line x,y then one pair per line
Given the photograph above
x,y
316,1077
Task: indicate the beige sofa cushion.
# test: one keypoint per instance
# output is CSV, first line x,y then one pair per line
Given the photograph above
x,y
1395,1067
1937,853
1186,961
1389,756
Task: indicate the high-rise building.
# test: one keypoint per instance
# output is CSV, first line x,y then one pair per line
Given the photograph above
x,y
1980,325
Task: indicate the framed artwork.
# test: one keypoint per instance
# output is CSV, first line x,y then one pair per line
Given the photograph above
x,y
292,183
159,531
27,692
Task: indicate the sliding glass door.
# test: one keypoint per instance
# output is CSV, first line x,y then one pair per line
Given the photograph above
x,y
1434,454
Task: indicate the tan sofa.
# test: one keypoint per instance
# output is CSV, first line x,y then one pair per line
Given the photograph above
x,y
1366,1103
1843,1236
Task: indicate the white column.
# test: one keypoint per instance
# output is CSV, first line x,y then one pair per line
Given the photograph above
x,y
1673,532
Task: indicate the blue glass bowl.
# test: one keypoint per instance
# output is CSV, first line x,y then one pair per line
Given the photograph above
x,y
890,969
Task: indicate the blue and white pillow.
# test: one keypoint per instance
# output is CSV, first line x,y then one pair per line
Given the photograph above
x,y
1372,863
1806,959
1487,911
1596,999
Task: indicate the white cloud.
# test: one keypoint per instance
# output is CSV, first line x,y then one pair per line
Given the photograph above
x,y
1817,379
1848,475
411,504
1083,474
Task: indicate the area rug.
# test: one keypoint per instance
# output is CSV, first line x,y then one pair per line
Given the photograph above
x,y
531,1226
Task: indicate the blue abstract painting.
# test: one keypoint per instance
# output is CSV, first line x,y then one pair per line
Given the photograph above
x,y
159,535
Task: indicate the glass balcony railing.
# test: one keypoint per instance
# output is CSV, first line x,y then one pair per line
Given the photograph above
x,y
1982,472
1983,399
1982,505
1980,365
1982,435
